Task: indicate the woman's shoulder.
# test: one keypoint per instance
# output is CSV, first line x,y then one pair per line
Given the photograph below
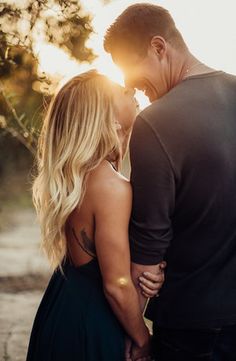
x,y
105,182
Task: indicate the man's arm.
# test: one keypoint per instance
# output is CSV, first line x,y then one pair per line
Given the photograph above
x,y
153,183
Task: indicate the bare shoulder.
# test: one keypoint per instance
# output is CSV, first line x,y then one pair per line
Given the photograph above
x,y
108,186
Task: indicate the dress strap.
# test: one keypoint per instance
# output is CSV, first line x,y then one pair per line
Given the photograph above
x,y
112,165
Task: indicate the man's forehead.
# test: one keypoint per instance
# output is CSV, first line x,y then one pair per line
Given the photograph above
x,y
125,59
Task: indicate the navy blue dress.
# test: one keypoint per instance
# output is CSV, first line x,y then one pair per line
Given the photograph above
x,y
74,321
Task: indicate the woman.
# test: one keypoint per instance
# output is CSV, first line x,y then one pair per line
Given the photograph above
x,y
84,205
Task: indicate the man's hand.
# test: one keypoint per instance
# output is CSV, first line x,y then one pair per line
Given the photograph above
x,y
151,283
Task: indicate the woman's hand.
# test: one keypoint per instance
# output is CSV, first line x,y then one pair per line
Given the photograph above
x,y
141,353
128,348
151,283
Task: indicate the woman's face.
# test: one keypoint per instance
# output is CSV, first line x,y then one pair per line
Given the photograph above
x,y
126,107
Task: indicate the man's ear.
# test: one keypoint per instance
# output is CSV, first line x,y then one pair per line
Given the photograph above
x,y
158,44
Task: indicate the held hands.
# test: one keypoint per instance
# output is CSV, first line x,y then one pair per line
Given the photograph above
x,y
135,353
151,283
128,348
141,353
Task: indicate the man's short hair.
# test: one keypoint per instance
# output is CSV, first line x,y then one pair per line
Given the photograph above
x,y
136,26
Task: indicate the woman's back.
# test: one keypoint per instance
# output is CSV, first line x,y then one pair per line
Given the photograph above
x,y
74,320
80,226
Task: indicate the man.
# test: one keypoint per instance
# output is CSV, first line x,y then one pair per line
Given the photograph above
x,y
183,161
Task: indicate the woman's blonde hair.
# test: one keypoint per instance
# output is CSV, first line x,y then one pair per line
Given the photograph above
x,y
78,133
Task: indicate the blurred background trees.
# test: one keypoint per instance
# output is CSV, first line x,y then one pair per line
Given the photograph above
x,y
24,89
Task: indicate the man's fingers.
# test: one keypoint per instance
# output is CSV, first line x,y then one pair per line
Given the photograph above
x,y
149,284
152,281
150,295
148,291
154,277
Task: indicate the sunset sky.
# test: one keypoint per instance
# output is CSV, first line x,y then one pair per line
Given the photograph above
x,y
208,27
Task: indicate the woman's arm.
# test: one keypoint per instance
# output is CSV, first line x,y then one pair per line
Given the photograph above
x,y
112,213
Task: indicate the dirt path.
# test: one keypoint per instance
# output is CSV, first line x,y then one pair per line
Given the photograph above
x,y
24,273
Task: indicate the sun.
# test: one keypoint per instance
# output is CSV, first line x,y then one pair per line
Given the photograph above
x,y
103,17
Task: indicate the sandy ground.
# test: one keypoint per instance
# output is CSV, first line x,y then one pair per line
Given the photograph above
x,y
24,273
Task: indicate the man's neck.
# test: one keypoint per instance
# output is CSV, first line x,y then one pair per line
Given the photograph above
x,y
184,65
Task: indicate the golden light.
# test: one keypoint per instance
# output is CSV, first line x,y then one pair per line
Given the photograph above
x,y
103,17
203,40
59,64
55,61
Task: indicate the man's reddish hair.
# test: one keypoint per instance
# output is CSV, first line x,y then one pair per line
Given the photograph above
x,y
136,26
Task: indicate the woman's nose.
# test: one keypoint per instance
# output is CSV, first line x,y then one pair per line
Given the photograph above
x,y
130,91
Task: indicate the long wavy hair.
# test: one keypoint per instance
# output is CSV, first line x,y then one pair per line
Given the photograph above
x,y
78,133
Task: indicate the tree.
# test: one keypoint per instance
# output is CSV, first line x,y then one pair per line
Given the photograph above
x,y
23,89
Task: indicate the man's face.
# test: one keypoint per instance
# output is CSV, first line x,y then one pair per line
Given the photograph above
x,y
144,73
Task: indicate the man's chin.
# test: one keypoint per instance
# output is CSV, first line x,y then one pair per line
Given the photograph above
x,y
151,96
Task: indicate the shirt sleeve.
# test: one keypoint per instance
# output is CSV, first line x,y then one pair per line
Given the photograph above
x,y
153,183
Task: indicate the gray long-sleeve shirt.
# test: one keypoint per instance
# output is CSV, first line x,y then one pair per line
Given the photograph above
x,y
183,160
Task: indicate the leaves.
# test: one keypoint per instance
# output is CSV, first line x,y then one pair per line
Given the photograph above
x,y
23,24
60,22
